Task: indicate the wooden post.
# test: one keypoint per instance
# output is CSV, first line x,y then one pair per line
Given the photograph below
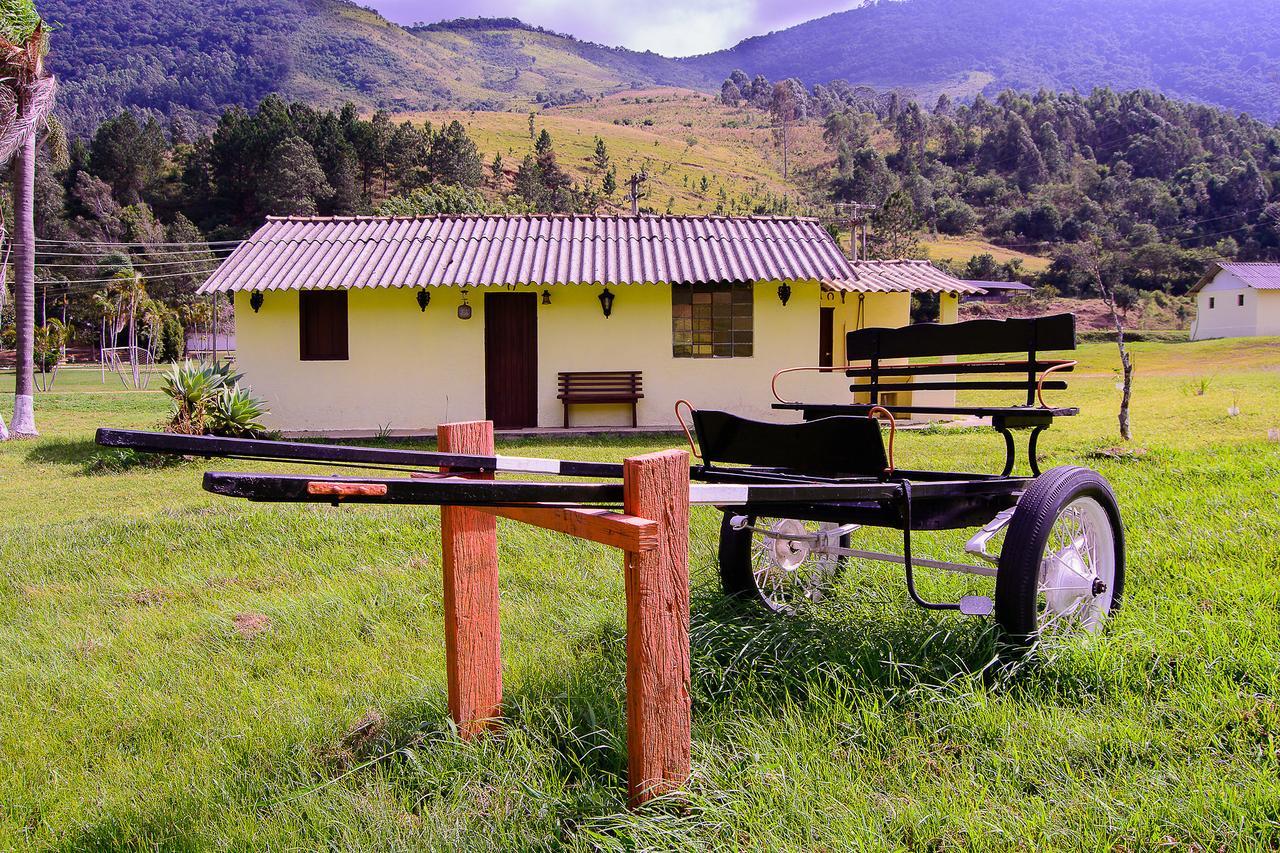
x,y
656,487
469,542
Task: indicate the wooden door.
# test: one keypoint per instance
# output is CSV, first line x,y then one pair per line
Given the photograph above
x,y
511,359
826,336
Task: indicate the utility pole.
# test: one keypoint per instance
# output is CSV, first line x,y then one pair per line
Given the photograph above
x,y
855,214
634,182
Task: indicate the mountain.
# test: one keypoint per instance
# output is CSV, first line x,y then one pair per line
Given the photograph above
x,y
1221,52
196,58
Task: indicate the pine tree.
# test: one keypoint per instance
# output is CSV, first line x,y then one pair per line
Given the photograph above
x,y
601,158
453,158
293,181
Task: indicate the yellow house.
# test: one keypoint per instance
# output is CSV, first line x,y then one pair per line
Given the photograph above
x,y
348,326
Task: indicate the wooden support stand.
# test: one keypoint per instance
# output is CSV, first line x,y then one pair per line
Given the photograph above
x,y
654,535
472,637
656,486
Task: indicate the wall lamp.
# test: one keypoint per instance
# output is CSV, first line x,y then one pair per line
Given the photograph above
x,y
546,297
464,310
424,299
784,293
255,300
606,302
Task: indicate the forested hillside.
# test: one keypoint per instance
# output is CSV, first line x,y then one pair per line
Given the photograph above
x,y
1224,53
192,59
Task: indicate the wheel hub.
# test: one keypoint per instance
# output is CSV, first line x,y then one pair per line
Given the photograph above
x,y
788,554
1069,584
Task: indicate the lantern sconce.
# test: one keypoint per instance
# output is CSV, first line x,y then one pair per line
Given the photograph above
x,y
606,302
784,293
255,300
424,299
546,297
464,310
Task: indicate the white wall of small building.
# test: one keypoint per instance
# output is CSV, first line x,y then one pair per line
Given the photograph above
x,y
1228,318
409,370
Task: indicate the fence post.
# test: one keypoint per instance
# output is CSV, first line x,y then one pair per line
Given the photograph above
x,y
656,487
472,637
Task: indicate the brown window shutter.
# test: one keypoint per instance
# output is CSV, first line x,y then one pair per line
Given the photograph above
x,y
322,317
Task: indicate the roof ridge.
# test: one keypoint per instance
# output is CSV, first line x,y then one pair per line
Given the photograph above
x,y
517,216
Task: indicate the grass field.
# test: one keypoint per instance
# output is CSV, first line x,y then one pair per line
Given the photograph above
x,y
179,671
961,249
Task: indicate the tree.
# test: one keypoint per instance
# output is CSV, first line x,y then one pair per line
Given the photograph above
x,y
496,171
601,157
128,155
783,108
730,94
434,199
610,184
453,158
894,227
1099,270
293,181
27,93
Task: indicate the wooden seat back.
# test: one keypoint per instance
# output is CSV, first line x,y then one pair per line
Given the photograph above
x,y
1032,336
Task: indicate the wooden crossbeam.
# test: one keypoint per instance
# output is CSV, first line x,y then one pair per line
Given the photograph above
x,y
619,530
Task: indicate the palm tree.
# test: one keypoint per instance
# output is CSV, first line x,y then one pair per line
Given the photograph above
x,y
27,93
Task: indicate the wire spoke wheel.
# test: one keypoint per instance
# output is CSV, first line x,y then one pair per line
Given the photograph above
x,y
1062,563
1077,570
782,563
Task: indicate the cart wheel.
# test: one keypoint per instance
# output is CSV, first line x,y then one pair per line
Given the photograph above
x,y
1062,564
780,574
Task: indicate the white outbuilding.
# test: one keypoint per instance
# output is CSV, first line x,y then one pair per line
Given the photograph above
x,y
1237,300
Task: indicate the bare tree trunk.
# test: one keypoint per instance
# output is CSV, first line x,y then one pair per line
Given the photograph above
x,y
133,335
24,285
1126,432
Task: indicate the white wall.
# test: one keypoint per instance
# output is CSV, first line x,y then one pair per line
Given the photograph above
x,y
1228,318
411,370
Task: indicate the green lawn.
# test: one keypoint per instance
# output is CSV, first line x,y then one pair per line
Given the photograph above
x,y
179,671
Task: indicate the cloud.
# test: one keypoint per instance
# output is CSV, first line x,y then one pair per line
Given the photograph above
x,y
669,27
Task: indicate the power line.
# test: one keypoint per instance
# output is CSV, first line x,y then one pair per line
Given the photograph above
x,y
140,246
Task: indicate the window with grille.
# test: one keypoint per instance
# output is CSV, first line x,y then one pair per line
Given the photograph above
x,y
322,316
711,320
1240,300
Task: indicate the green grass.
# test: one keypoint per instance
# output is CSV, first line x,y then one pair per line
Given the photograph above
x,y
134,714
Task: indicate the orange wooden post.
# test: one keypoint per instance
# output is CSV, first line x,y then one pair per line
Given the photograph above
x,y
472,637
656,486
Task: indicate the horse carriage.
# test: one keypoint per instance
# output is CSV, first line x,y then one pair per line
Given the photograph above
x,y
794,496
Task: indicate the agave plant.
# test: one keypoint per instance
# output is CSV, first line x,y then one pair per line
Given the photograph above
x,y
194,390
234,413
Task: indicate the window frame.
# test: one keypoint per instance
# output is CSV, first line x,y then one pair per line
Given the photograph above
x,y
1239,300
309,303
713,320
1210,303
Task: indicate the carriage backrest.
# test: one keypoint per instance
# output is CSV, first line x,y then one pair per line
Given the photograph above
x,y
973,337
844,445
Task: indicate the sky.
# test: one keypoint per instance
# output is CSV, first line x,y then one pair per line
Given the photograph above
x,y
669,27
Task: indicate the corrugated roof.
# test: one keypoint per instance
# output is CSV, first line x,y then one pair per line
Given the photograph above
x,y
999,285
306,253
1258,275
899,277
467,251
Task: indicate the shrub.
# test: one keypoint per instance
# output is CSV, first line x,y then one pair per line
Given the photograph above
x,y
209,399
234,413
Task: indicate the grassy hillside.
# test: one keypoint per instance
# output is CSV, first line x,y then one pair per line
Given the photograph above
x,y
678,136
184,57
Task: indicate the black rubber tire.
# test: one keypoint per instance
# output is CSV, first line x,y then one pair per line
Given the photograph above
x,y
1016,608
736,577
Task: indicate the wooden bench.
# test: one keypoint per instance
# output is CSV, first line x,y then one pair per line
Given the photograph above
x,y
595,387
868,349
